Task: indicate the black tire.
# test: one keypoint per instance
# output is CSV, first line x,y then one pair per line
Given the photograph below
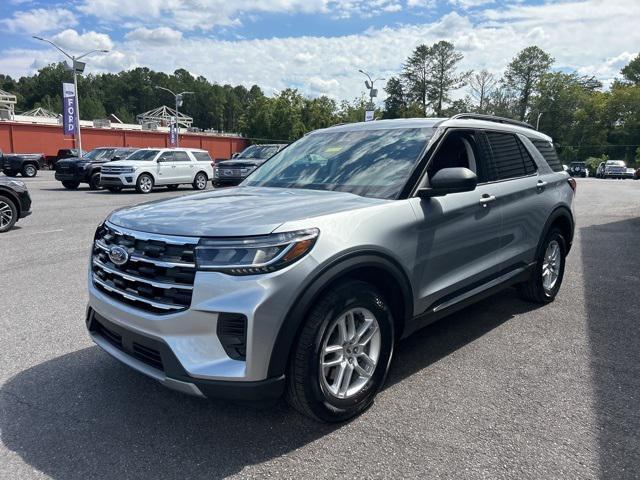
x,y
94,181
69,185
305,388
8,214
144,184
10,173
29,170
533,290
200,181
175,186
114,189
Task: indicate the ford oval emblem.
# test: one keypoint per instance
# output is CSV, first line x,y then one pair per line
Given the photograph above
x,y
118,255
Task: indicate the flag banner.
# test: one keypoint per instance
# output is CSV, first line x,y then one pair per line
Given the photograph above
x,y
173,132
69,109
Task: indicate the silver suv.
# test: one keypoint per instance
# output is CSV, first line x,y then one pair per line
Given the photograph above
x,y
302,280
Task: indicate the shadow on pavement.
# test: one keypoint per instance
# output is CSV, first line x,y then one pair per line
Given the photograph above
x,y
611,269
83,415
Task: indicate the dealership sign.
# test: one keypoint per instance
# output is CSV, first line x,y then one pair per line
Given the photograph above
x,y
173,132
69,109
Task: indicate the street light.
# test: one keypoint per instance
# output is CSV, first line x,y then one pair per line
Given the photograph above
x,y
370,84
178,97
78,67
538,121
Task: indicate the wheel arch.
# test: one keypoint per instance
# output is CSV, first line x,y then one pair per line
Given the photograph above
x,y
562,218
375,268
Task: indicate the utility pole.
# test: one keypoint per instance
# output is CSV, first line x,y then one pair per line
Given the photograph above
x,y
178,98
77,67
373,93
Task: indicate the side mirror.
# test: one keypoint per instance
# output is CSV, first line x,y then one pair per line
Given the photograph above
x,y
113,159
450,180
235,155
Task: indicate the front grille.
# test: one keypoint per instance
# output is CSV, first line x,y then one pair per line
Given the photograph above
x,y
230,172
159,275
115,170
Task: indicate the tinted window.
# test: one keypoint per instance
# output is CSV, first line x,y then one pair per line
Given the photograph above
x,y
181,157
549,153
143,155
202,156
461,148
370,163
508,158
259,152
166,156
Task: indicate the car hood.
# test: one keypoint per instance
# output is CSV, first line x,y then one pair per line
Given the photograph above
x,y
235,211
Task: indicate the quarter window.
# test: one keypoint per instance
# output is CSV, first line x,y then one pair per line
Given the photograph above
x,y
510,158
549,153
202,156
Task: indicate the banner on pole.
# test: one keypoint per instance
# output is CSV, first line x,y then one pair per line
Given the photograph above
x,y
368,115
173,132
69,109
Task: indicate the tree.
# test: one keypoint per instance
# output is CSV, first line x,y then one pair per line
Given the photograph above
x,y
443,75
395,105
416,74
482,84
523,73
631,71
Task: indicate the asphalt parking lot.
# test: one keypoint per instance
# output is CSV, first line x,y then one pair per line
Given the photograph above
x,y
503,389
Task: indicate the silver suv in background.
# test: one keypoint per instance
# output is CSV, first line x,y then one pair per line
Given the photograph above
x,y
302,280
147,168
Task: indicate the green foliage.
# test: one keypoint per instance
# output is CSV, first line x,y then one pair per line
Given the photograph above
x,y
631,72
523,74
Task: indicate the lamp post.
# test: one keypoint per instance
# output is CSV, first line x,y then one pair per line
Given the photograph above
x,y
178,97
538,121
373,92
77,67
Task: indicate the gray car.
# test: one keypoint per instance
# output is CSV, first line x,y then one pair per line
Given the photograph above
x,y
302,280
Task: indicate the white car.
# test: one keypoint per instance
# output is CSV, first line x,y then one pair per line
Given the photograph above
x,y
150,167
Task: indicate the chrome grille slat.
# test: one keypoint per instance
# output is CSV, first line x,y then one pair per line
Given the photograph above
x,y
135,278
157,276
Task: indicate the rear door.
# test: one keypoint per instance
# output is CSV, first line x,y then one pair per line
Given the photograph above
x,y
520,188
184,167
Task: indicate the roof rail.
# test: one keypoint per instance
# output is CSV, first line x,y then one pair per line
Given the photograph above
x,y
492,118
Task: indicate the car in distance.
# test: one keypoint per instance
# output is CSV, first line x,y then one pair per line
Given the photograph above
x,y
147,168
301,280
27,164
615,169
600,170
578,169
15,203
233,171
74,171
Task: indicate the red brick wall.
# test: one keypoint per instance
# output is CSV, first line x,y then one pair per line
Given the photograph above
x,y
48,139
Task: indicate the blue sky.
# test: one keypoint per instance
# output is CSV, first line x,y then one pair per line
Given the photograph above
x,y
315,45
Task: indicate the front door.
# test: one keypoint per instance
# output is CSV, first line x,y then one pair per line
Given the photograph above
x,y
459,235
166,169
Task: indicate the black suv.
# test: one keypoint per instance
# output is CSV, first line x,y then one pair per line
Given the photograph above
x,y
235,170
15,202
578,169
74,171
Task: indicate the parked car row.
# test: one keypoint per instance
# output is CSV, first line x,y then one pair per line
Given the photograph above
x,y
616,169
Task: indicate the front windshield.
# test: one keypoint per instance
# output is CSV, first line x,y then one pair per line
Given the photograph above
x,y
143,155
99,153
615,163
259,152
370,163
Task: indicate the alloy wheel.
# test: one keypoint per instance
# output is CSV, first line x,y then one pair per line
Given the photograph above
x,y
30,171
201,182
350,353
146,184
6,214
551,265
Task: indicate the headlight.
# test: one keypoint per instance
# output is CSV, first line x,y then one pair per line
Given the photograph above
x,y
17,183
254,255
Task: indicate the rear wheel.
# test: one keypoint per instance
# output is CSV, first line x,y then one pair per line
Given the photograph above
x,y
114,189
200,181
70,185
545,282
144,183
29,170
94,181
341,356
8,214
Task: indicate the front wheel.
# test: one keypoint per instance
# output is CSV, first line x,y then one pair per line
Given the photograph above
x,y
200,181
144,183
29,170
544,284
94,181
70,185
340,359
8,214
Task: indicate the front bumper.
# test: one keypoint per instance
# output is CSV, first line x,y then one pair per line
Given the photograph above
x,y
25,204
125,180
155,359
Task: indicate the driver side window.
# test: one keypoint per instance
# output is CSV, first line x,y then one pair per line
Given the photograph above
x,y
460,148
166,157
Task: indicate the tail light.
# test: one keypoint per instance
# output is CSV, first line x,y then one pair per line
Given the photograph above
x,y
572,184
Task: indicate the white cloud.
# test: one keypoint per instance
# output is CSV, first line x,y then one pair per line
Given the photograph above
x,y
466,4
40,20
161,35
82,42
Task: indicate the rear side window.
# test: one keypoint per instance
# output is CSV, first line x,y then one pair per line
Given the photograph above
x,y
202,156
179,156
549,153
510,159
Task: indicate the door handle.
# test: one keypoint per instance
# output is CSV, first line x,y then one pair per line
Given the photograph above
x,y
486,199
541,184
